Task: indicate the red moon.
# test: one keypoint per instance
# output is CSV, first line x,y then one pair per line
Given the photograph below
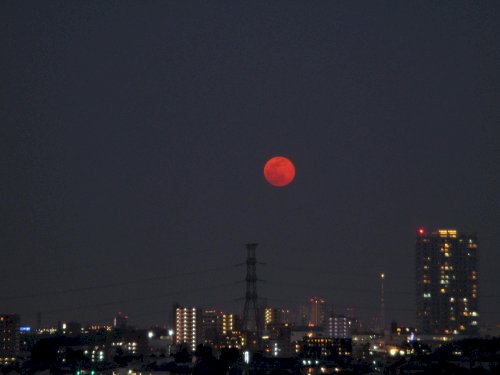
x,y
279,171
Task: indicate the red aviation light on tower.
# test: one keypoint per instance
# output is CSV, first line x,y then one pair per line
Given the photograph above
x,y
421,231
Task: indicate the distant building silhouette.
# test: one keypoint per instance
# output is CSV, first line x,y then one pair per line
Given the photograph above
x,y
317,311
9,338
126,340
446,282
277,340
38,320
120,321
216,327
71,329
302,318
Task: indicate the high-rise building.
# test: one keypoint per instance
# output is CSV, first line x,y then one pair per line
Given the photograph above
x,y
9,338
188,326
318,311
120,321
216,326
447,282
302,318
277,340
276,316
337,327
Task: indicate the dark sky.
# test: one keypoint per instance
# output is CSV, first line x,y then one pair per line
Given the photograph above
x,y
134,133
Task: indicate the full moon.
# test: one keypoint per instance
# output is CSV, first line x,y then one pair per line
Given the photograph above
x,y
279,171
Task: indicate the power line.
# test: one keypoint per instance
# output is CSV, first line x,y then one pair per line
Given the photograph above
x,y
116,284
111,303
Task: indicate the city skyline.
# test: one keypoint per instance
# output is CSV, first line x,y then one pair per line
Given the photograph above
x,y
134,137
433,270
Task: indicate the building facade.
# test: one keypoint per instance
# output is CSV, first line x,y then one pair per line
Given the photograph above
x,y
325,347
317,311
188,327
276,316
120,321
447,282
9,337
338,327
277,340
216,327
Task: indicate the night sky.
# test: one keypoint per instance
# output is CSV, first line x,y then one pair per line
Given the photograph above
x,y
134,134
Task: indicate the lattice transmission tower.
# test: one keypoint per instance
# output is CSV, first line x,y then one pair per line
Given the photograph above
x,y
252,322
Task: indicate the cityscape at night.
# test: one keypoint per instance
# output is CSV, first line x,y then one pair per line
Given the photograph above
x,y
259,188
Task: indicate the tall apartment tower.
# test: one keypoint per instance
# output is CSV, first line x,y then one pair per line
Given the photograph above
x,y
318,311
188,326
447,282
9,338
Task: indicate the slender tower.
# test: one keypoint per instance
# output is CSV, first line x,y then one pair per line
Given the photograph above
x,y
39,320
251,317
382,303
